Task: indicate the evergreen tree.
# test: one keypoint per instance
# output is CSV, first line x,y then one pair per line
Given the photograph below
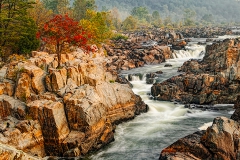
x,y
28,42
155,15
14,22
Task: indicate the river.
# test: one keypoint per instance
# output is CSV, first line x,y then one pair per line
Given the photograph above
x,y
144,137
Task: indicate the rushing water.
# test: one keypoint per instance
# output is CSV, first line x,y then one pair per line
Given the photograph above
x,y
164,123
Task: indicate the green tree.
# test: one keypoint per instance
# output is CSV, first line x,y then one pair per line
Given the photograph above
x,y
80,8
168,22
189,17
207,18
130,23
155,15
140,13
57,6
14,24
99,25
156,19
28,42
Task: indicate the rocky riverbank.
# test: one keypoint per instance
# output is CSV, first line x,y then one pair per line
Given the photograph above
x,y
213,80
69,111
142,48
219,141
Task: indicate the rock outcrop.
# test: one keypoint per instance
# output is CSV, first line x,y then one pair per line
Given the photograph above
x,y
67,111
220,141
215,79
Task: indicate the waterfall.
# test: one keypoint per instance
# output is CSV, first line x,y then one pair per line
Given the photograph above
x,y
193,51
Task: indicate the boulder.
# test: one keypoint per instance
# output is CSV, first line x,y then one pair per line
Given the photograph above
x,y
52,118
84,107
187,148
56,79
12,107
220,141
24,135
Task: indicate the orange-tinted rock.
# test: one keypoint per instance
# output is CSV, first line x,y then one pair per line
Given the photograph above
x,y
52,118
222,138
24,135
81,89
9,153
187,148
11,107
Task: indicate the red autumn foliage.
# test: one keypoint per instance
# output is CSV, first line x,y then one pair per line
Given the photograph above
x,y
62,29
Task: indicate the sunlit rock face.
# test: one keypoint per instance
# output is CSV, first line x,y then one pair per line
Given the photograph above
x,y
67,111
215,79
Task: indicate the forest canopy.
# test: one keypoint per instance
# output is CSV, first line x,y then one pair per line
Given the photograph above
x,y
219,11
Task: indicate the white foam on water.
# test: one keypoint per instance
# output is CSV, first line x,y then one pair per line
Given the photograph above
x,y
231,112
205,126
193,51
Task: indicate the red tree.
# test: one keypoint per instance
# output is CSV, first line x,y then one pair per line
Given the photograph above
x,y
62,29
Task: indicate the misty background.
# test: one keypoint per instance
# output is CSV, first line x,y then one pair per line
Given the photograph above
x,y
217,11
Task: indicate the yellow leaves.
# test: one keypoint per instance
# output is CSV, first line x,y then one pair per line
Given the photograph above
x,y
98,25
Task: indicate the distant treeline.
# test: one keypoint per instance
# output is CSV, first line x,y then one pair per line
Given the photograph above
x,y
217,11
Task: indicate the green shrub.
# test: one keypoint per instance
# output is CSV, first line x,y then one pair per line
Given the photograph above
x,y
118,37
111,81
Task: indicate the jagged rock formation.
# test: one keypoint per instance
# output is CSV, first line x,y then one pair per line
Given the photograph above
x,y
220,141
215,79
69,111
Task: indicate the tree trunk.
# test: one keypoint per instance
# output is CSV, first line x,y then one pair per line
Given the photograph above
x,y
58,51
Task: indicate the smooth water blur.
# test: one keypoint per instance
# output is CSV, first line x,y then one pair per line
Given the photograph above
x,y
164,123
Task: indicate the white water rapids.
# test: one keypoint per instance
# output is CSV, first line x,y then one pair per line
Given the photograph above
x,y
144,137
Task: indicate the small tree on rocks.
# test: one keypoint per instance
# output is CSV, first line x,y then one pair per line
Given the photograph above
x,y
62,29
